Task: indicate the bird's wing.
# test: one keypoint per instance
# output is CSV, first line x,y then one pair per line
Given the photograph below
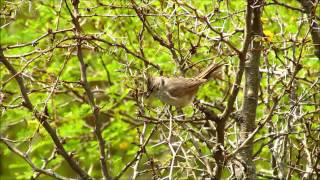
x,y
181,86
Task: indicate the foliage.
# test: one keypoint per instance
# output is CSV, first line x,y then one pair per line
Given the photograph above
x,y
120,48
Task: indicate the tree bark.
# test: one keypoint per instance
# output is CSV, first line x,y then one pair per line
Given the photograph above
x,y
252,81
310,7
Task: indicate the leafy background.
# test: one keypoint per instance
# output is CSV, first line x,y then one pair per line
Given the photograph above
x,y
116,77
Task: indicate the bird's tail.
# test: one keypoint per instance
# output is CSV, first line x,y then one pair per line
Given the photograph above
x,y
207,73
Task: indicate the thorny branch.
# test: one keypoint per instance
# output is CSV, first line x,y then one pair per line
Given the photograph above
x,y
202,142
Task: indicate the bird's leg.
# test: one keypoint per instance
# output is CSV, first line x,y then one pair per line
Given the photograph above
x,y
169,109
180,113
195,104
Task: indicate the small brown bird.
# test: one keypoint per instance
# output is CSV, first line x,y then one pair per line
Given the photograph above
x,y
179,91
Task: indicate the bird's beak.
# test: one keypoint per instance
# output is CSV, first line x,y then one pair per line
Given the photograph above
x,y
148,93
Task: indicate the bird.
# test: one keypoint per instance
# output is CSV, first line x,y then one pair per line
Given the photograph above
x,y
179,91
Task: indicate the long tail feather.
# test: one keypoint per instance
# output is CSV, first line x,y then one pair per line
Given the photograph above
x,y
206,73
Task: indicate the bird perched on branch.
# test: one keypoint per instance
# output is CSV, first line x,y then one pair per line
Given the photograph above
x,y
179,91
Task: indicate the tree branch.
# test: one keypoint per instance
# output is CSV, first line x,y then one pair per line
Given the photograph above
x,y
86,86
43,119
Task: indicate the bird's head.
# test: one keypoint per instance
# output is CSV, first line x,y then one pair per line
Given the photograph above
x,y
153,85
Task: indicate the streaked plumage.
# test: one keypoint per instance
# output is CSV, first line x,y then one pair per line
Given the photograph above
x,y
179,91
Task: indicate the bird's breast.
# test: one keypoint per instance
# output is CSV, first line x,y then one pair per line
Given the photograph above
x,y
180,101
